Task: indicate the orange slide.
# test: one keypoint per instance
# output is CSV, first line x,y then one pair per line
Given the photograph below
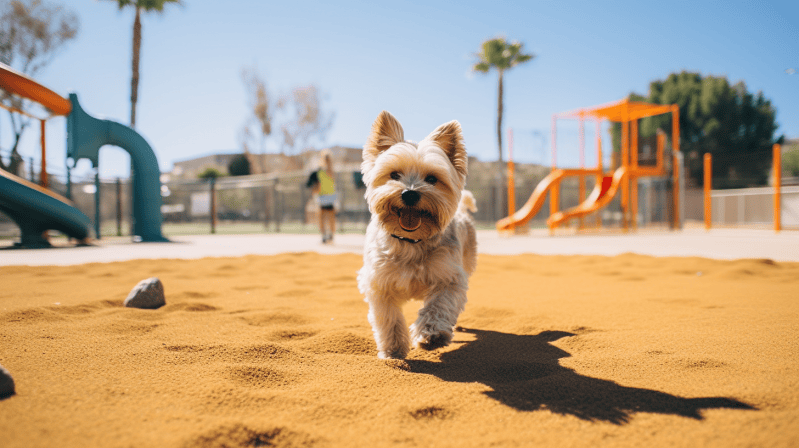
x,y
600,197
533,205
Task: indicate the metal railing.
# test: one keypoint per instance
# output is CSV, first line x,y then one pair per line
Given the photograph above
x,y
754,207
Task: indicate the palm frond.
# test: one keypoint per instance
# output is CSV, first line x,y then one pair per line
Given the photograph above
x,y
499,54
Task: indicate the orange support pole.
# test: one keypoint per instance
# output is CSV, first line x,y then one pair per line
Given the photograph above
x,y
708,182
675,149
633,178
675,128
625,154
634,143
676,189
625,183
511,193
599,167
554,198
581,187
511,181
43,175
777,187
599,146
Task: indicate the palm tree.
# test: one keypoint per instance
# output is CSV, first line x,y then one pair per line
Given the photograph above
x,y
139,6
501,55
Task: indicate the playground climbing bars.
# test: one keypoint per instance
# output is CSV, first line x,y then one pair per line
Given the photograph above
x,y
622,181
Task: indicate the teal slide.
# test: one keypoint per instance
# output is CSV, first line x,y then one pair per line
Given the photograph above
x,y
35,209
87,134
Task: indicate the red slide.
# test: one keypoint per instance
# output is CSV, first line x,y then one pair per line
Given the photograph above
x,y
600,197
533,205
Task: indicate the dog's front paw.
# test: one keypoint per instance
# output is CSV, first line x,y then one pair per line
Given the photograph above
x,y
429,338
398,353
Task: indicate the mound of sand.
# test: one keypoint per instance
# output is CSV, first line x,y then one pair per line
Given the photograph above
x,y
276,351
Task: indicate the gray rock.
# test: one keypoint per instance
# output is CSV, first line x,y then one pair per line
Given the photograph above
x,y
6,383
147,294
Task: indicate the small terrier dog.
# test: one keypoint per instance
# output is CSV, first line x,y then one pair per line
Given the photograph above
x,y
420,242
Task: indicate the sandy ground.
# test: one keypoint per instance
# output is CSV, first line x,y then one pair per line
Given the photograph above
x,y
275,350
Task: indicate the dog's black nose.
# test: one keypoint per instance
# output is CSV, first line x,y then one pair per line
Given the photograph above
x,y
410,197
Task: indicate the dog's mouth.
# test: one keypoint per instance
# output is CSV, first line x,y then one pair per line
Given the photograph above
x,y
410,219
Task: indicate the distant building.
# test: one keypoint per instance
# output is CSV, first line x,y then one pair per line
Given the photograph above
x,y
344,159
190,169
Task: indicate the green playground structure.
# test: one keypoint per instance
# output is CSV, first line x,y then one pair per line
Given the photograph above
x,y
35,209
86,135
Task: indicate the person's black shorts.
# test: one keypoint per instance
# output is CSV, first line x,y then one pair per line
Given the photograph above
x,y
327,207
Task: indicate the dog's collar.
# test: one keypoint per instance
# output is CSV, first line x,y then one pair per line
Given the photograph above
x,y
407,240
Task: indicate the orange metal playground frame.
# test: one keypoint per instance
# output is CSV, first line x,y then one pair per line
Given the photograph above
x,y
21,85
608,184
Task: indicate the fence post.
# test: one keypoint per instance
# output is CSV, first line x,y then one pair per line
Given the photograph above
x,y
341,199
213,204
777,187
267,192
69,182
676,189
119,207
97,216
303,200
275,200
43,174
708,181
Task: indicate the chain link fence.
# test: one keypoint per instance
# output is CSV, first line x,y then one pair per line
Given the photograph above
x,y
754,207
283,203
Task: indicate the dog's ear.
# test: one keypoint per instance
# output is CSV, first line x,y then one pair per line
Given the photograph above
x,y
449,137
386,132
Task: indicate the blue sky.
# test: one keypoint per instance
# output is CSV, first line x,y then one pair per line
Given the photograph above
x,y
410,58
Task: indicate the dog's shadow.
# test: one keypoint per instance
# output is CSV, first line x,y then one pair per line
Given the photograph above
x,y
523,373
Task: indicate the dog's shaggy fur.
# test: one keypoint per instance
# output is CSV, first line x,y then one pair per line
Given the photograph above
x,y
420,242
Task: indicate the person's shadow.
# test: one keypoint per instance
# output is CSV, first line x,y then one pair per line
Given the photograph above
x,y
524,373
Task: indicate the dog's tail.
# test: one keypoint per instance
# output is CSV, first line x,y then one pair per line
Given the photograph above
x,y
467,204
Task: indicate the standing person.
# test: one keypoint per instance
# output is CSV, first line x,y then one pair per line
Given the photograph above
x,y
323,182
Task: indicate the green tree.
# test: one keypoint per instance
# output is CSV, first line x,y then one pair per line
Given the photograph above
x,y
500,55
239,165
735,126
32,32
210,173
790,161
139,6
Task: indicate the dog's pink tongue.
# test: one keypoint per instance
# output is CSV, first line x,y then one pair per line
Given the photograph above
x,y
410,219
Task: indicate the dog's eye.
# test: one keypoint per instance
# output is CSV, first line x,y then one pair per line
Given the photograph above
x,y
395,175
431,179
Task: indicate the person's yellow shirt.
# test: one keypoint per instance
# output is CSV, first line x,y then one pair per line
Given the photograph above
x,y
327,185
